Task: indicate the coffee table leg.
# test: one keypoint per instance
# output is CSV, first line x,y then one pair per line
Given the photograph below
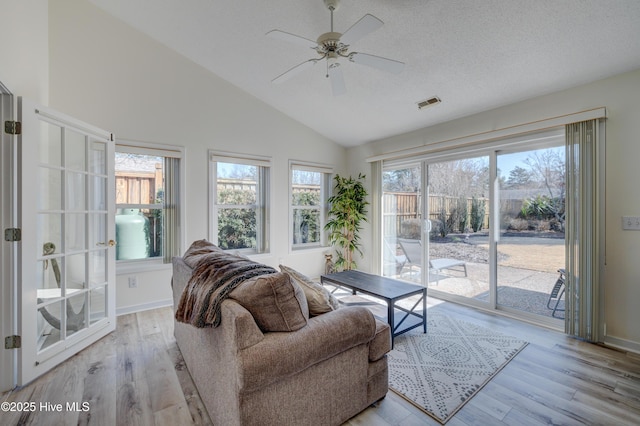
x,y
424,310
391,320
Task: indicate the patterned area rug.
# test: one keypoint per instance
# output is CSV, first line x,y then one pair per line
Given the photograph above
x,y
440,371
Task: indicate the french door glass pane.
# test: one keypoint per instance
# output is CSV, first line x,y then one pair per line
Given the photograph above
x,y
75,191
49,233
50,192
458,207
75,231
97,302
75,312
75,276
98,193
97,230
48,324
98,267
49,272
74,151
50,145
98,158
531,247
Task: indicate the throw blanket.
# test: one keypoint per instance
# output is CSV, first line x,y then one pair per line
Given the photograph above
x,y
213,278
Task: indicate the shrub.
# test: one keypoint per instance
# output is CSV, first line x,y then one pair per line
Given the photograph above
x,y
540,207
446,222
411,228
477,214
518,224
462,213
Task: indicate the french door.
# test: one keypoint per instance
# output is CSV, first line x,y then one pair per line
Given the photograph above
x,y
66,272
484,228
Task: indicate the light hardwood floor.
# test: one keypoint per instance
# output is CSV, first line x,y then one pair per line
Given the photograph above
x,y
136,376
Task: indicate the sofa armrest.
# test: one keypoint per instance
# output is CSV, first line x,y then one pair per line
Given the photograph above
x,y
284,354
381,343
241,323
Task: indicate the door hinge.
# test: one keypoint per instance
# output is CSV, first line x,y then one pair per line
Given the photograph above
x,y
13,234
13,342
13,127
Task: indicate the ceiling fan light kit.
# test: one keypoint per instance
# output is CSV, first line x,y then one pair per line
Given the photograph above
x,y
333,46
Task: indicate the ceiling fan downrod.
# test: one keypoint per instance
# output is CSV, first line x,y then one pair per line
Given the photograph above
x,y
332,5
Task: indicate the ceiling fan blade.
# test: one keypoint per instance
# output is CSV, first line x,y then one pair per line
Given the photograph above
x,y
292,38
367,24
378,62
337,81
294,71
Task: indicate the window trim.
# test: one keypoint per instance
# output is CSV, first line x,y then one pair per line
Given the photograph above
x,y
325,191
263,200
127,266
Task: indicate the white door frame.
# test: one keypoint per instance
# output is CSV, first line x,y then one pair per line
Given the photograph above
x,y
7,249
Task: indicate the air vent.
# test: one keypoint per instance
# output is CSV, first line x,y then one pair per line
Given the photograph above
x,y
429,102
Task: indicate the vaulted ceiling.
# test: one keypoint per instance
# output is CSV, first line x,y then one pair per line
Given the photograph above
x,y
474,55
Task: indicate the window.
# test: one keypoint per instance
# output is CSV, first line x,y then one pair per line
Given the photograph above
x,y
309,192
240,195
147,202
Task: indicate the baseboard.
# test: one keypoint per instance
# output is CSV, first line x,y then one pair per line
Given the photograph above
x,y
143,307
622,344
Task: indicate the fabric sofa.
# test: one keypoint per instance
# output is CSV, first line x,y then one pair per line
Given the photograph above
x,y
323,372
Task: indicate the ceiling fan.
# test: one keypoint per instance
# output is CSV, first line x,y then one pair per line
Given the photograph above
x,y
333,46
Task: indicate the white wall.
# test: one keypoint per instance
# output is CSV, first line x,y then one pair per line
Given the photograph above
x,y
108,74
24,59
620,96
24,66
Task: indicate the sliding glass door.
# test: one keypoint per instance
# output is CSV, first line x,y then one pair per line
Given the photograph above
x,y
402,206
531,246
485,228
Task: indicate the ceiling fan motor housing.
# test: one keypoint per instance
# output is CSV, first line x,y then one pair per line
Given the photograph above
x,y
330,43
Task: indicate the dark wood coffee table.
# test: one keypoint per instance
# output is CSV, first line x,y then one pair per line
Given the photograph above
x,y
390,291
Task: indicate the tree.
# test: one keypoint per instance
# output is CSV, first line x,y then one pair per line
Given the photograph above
x,y
547,167
348,210
519,177
403,180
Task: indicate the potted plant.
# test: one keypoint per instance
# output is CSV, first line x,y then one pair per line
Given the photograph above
x,y
348,210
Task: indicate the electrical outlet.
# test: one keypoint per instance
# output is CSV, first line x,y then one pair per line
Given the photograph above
x,y
631,223
133,282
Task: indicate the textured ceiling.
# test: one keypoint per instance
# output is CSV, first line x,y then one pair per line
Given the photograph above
x,y
474,55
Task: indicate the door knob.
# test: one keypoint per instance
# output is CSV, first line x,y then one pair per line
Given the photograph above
x,y
112,243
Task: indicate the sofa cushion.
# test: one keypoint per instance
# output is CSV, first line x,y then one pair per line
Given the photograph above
x,y
319,299
276,303
199,250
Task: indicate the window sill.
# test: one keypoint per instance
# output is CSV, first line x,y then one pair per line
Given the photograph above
x,y
309,249
129,267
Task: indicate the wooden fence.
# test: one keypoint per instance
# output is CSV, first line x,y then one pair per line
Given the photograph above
x,y
138,187
399,207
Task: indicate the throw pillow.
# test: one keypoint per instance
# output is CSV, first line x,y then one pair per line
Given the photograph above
x,y
276,303
319,299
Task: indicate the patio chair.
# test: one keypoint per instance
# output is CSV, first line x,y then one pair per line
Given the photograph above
x,y
413,250
392,259
556,294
